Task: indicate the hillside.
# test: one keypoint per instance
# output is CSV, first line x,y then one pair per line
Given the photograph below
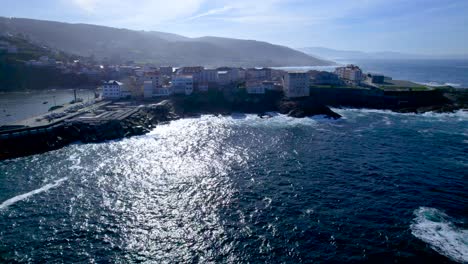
x,y
156,47
15,75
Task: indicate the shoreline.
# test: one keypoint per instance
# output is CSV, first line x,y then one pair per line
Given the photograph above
x,y
120,119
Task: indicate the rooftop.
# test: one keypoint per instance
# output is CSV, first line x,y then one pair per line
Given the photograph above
x,y
113,82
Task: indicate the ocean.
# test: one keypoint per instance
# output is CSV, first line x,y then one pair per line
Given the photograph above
x,y
372,187
428,72
22,105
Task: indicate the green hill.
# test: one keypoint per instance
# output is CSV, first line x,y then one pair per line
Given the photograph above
x,y
155,47
16,75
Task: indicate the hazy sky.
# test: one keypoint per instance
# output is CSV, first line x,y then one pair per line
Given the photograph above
x,y
416,26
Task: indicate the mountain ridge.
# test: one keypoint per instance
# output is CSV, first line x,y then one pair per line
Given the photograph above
x,y
161,48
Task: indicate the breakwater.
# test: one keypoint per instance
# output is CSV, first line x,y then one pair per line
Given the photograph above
x,y
27,141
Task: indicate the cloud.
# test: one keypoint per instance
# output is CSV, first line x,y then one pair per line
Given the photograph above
x,y
134,14
334,23
86,5
147,14
211,12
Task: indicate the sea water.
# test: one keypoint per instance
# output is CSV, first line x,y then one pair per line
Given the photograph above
x,y
374,186
432,72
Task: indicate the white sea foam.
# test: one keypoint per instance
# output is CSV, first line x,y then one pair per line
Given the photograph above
x,y
454,84
275,119
24,196
439,84
436,229
460,114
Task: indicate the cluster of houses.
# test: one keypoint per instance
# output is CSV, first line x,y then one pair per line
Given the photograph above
x,y
353,75
165,81
152,82
7,47
44,61
92,70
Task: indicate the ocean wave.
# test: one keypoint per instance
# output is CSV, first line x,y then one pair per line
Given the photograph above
x,y
437,229
454,84
439,84
342,111
252,120
24,196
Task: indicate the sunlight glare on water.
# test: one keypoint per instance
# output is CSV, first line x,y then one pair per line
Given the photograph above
x,y
242,189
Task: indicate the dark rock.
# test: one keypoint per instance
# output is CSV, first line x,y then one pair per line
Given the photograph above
x,y
304,108
446,108
297,113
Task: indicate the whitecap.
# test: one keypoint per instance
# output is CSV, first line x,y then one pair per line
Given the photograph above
x,y
24,196
454,84
461,115
436,229
440,84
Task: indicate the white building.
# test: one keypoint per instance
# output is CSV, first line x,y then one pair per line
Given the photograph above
x,y
191,70
259,74
296,84
350,73
150,91
115,90
230,75
182,84
234,74
154,77
206,76
255,88
223,77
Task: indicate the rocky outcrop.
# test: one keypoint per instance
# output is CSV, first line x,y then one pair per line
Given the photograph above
x,y
446,108
216,103
303,108
448,102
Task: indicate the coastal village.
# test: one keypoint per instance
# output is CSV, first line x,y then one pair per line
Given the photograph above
x,y
130,81
137,81
132,98
155,82
125,80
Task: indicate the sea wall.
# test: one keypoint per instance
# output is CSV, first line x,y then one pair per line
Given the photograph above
x,y
29,142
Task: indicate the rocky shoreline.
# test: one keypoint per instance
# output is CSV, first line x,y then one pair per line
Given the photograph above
x,y
142,121
147,116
